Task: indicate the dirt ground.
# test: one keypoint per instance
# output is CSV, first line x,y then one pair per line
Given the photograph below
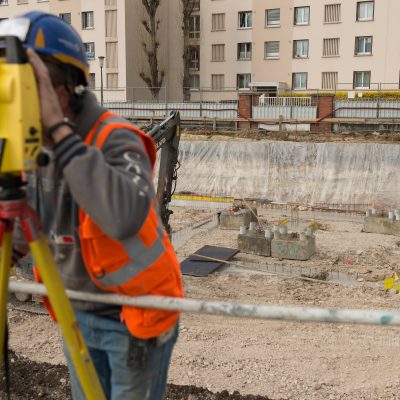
x,y
227,358
256,134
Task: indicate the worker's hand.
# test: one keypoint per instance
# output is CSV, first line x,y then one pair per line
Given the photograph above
x,y
50,107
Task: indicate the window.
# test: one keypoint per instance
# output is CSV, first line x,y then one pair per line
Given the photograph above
x,y
90,53
362,79
87,20
332,13
112,81
243,81
273,17
331,47
194,58
111,24
111,54
22,1
365,11
244,51
218,52
218,22
217,82
271,50
329,80
299,80
194,82
301,15
66,17
196,5
3,2
300,48
194,27
245,19
363,45
92,81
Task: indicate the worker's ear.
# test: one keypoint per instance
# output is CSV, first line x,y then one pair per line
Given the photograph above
x,y
64,97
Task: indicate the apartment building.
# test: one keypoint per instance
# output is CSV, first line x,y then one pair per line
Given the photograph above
x,y
236,44
113,29
298,44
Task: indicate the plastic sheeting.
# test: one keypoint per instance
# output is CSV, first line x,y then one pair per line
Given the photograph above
x,y
308,173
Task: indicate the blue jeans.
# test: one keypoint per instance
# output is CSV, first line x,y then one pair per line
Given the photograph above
x,y
128,368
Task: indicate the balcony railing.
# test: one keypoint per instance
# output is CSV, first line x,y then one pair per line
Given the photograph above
x,y
196,6
194,35
194,65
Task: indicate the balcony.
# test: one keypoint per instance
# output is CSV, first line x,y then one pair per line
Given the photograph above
x,y
194,35
196,5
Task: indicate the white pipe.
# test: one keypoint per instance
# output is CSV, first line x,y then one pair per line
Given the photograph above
x,y
303,314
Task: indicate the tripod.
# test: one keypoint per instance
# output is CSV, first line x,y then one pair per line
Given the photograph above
x,y
14,205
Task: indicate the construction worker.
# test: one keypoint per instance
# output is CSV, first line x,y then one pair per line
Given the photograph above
x,y
97,205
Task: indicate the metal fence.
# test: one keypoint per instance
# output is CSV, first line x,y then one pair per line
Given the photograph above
x,y
161,109
367,108
286,101
287,112
373,87
379,101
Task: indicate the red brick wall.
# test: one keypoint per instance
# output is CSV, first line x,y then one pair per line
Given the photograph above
x,y
245,109
325,104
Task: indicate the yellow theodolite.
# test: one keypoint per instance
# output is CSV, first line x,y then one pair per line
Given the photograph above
x,y
21,150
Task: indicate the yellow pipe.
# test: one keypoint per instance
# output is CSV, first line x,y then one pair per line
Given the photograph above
x,y
65,316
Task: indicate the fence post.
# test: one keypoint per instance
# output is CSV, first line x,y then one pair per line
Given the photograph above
x,y
201,102
166,102
379,101
291,108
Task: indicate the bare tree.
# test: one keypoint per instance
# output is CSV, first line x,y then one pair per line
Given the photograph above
x,y
187,10
154,77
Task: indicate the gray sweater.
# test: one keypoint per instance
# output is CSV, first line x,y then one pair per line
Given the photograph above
x,y
112,185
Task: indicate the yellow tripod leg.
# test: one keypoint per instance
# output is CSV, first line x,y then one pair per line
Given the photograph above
x,y
5,263
65,316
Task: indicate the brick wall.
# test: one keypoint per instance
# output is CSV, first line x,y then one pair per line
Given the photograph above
x,y
325,108
245,109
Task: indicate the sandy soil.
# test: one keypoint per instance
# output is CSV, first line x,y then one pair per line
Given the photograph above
x,y
279,360
255,134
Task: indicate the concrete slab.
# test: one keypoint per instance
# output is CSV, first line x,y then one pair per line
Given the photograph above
x,y
289,247
253,242
234,220
382,225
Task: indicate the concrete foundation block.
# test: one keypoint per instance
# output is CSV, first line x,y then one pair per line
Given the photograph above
x,y
254,243
382,225
234,220
290,248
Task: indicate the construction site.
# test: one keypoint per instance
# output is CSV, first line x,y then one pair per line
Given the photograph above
x,y
275,219
216,180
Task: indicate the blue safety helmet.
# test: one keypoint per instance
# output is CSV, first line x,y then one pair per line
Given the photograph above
x,y
49,36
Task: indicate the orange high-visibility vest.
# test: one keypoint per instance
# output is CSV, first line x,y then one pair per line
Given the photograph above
x,y
145,264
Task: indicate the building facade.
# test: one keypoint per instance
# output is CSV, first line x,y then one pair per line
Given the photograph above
x,y
299,44
235,45
113,29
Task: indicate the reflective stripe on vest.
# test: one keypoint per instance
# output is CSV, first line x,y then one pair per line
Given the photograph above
x,y
141,256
